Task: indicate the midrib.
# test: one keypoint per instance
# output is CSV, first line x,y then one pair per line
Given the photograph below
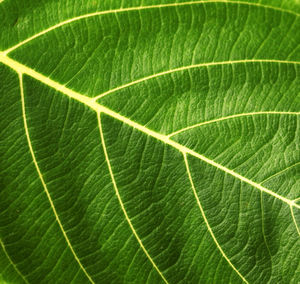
x,y
90,102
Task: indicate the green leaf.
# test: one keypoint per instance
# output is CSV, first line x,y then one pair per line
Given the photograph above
x,y
150,141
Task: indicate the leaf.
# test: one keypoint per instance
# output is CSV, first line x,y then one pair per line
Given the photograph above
x,y
150,142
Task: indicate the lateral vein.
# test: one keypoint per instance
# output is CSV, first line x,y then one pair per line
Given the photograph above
x,y
280,172
294,220
90,102
121,202
183,68
43,181
114,11
231,117
206,221
12,263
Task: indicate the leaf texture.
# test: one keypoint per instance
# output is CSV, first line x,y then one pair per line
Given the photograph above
x,y
150,141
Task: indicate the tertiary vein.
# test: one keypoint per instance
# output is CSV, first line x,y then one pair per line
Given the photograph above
x,y
90,102
138,8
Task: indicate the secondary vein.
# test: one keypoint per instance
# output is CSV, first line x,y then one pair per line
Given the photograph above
x,y
206,221
12,263
231,117
121,202
43,181
114,11
193,66
294,220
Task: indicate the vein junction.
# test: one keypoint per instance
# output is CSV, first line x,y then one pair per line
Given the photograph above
x,y
90,102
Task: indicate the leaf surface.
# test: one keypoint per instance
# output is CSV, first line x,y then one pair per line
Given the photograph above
x,y
150,142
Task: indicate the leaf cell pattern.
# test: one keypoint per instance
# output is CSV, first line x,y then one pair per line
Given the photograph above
x,y
150,143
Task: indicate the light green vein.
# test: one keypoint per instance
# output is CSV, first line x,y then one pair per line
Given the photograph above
x,y
43,181
121,10
12,263
121,202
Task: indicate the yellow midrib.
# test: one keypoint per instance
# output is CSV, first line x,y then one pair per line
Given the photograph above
x,y
21,69
90,102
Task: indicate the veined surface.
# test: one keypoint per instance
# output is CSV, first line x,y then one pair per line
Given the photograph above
x,y
150,143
